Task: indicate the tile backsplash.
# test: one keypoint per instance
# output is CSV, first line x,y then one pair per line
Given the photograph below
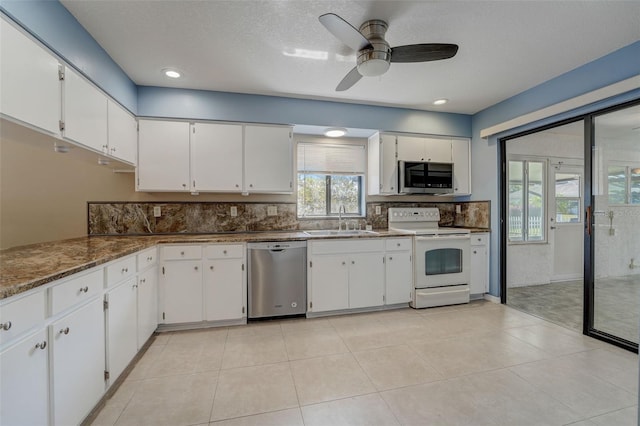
x,y
118,218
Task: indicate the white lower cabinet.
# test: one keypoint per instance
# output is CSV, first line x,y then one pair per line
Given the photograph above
x,y
77,363
328,286
122,330
147,304
223,279
24,382
398,270
182,288
366,280
479,277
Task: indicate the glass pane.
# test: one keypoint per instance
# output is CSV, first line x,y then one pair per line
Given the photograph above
x,y
516,196
535,195
634,176
345,191
567,210
443,261
617,184
567,185
312,195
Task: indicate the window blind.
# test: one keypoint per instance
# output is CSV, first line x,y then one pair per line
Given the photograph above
x,y
325,158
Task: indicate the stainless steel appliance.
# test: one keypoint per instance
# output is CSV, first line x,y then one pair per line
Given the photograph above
x,y
420,177
277,278
442,257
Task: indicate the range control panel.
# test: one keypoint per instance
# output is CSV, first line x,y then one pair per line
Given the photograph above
x,y
414,214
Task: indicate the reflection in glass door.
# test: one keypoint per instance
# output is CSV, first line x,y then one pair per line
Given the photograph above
x,y
615,229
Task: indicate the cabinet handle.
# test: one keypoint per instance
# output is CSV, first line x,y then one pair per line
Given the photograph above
x,y
184,185
398,244
84,289
224,252
211,267
5,326
149,259
125,270
250,185
181,253
353,262
144,280
134,286
113,149
474,252
343,263
41,345
195,267
237,186
390,258
64,331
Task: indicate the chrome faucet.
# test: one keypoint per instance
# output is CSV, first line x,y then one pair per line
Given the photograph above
x,y
341,210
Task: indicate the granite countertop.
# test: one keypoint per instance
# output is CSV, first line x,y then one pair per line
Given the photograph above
x,y
26,267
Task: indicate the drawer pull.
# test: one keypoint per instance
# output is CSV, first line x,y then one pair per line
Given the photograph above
x,y
5,326
41,345
195,267
211,267
390,258
398,244
343,263
149,259
64,331
181,253
353,262
224,252
144,280
125,270
84,289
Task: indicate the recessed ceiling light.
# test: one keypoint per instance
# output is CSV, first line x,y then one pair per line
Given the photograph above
x,y
335,132
171,73
440,101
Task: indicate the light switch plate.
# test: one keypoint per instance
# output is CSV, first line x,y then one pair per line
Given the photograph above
x,y
234,211
378,210
272,210
458,208
157,212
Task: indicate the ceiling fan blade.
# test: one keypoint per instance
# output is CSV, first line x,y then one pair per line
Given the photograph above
x,y
344,31
349,80
423,52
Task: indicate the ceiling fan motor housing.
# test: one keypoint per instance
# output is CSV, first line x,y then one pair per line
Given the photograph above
x,y
375,60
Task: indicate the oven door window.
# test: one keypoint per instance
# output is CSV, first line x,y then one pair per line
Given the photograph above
x,y
443,261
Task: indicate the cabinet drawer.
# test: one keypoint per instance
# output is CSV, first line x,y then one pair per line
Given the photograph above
x,y
224,252
346,246
398,244
18,316
120,270
76,290
481,239
147,258
181,252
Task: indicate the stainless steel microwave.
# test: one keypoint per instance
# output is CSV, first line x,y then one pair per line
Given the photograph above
x,y
419,177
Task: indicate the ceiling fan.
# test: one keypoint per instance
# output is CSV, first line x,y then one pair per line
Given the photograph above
x,y
374,53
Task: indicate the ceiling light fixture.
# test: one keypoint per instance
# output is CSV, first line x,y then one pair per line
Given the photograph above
x,y
335,132
62,149
440,101
171,73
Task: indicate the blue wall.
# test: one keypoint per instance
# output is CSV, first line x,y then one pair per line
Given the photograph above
x,y
57,29
617,66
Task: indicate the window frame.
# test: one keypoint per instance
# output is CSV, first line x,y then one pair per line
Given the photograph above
x,y
628,167
525,160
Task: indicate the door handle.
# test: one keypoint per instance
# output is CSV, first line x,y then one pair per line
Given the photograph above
x,y
552,227
588,220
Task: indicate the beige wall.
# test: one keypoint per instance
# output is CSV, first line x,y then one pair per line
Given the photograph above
x,y
44,194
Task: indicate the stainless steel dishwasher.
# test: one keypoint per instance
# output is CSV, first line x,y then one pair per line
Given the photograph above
x,y
277,278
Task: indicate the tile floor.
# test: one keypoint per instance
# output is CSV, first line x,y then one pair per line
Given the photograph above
x,y
475,364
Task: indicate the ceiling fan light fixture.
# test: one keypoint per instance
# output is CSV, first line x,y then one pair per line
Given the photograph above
x,y
440,101
171,73
335,132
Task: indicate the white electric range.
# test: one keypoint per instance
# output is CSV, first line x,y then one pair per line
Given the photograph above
x,y
441,256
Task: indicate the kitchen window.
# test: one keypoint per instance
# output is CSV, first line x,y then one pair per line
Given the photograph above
x,y
330,176
527,208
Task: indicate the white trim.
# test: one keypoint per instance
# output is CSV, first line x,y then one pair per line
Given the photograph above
x,y
491,298
564,106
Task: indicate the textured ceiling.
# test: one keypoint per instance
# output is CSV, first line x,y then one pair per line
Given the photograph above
x,y
254,47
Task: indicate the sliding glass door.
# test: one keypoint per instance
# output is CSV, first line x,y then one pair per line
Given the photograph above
x,y
614,227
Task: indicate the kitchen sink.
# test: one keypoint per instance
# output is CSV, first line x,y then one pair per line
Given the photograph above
x,y
334,232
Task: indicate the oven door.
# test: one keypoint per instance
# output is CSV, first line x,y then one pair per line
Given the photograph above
x,y
442,260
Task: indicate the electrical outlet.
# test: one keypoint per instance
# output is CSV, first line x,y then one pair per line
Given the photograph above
x,y
234,211
272,210
458,208
157,212
378,210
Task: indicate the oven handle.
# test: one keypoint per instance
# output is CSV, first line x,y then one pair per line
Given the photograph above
x,y
444,237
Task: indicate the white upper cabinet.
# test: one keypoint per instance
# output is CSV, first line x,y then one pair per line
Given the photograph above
x,y
163,156
268,159
216,157
122,133
84,112
383,169
29,82
461,155
414,148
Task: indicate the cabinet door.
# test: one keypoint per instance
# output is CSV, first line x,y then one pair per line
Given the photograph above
x,y
24,382
461,158
216,157
223,284
147,305
28,81
163,156
122,327
398,278
84,112
329,283
437,150
388,165
182,290
410,148
478,282
268,161
122,133
366,280
78,363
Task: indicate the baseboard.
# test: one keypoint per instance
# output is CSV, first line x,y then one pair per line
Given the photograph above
x,y
491,298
